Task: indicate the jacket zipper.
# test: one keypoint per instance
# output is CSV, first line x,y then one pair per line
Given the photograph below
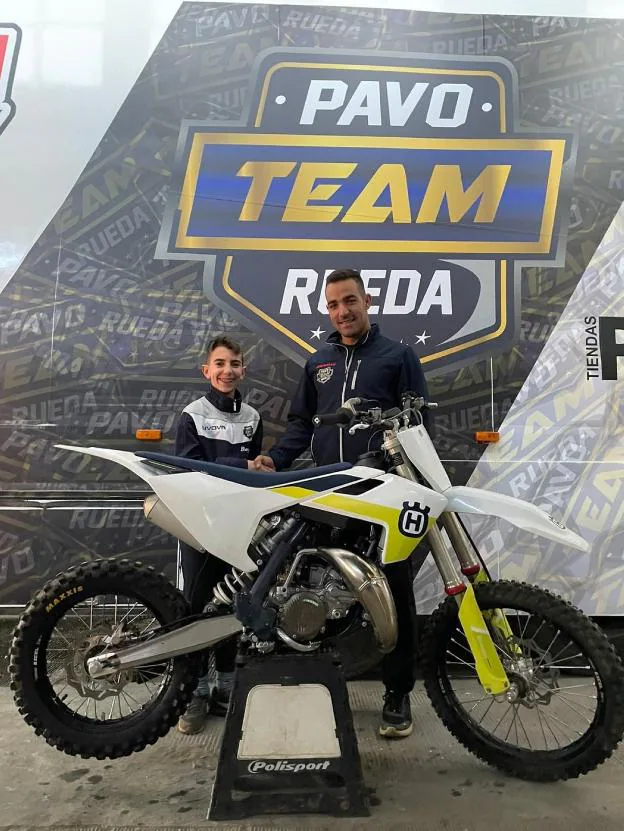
x,y
348,359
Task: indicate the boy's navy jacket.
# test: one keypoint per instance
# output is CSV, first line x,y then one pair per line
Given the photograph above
x,y
376,368
217,428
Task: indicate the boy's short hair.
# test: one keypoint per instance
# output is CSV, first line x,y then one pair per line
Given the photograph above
x,y
229,343
346,274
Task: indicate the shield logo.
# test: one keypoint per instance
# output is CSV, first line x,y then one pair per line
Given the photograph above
x,y
10,36
248,431
414,519
443,256
324,374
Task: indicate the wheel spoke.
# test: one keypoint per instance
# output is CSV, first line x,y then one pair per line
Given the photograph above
x,y
461,646
578,712
460,660
541,724
489,707
513,722
547,650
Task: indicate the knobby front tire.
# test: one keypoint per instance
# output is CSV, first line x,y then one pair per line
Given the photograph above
x,y
576,676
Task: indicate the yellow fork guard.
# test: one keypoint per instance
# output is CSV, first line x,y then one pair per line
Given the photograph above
x,y
498,619
489,668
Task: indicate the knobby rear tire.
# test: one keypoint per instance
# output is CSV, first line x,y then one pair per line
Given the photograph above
x,y
34,694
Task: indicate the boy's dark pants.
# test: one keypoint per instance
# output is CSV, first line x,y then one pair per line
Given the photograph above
x,y
201,574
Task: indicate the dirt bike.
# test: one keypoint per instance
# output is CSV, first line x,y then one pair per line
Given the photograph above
x,y
105,657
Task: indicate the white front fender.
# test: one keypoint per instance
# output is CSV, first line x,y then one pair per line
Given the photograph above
x,y
529,517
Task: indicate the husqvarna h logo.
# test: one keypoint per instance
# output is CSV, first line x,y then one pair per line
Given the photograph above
x,y
414,519
10,36
412,168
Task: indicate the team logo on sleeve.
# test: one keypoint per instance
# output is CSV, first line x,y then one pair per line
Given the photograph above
x,y
324,373
412,168
248,431
10,36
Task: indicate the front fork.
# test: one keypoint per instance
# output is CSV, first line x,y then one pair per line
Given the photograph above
x,y
473,567
489,668
488,665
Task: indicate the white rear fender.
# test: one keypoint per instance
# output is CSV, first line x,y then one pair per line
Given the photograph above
x,y
529,517
219,515
156,511
120,457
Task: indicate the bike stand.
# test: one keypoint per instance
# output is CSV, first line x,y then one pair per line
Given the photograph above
x,y
289,746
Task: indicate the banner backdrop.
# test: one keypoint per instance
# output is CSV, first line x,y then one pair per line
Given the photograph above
x,y
470,166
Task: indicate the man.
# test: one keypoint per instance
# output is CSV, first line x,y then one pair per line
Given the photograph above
x,y
358,361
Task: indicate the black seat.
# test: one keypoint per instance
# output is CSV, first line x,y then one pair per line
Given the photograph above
x,y
251,478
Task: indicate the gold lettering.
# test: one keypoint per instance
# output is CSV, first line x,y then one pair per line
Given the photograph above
x,y
550,59
92,199
579,54
572,399
537,424
116,181
364,209
16,372
446,182
591,516
261,175
64,220
609,483
297,208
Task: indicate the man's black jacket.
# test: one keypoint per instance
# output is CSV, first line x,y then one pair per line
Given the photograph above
x,y
376,368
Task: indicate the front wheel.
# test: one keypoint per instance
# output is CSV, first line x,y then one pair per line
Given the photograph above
x,y
89,609
564,712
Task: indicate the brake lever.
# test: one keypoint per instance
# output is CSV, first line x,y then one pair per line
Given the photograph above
x,y
359,426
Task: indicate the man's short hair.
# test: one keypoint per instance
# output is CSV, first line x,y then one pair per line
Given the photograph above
x,y
346,274
229,343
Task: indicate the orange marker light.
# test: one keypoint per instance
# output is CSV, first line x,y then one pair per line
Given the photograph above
x,y
487,436
148,435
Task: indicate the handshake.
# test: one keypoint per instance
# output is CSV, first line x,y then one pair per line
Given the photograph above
x,y
263,464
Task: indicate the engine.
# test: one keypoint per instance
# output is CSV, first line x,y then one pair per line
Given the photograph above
x,y
305,605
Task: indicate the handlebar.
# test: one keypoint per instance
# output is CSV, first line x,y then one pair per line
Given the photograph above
x,y
356,411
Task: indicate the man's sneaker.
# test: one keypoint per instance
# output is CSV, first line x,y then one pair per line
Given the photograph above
x,y
196,715
396,717
219,702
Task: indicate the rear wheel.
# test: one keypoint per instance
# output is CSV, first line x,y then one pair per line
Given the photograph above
x,y
89,609
564,713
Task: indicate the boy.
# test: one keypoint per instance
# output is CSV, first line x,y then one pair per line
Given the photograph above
x,y
218,428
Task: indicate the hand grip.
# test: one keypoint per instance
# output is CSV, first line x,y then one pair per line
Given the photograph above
x,y
341,416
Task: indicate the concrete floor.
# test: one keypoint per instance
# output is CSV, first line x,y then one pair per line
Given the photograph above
x,y
426,783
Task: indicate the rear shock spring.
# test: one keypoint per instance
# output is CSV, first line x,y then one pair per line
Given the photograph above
x,y
224,591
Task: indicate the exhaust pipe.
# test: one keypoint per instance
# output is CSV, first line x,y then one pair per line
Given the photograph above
x,y
156,512
371,589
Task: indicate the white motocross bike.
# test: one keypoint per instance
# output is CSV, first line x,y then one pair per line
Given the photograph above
x,y
106,657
